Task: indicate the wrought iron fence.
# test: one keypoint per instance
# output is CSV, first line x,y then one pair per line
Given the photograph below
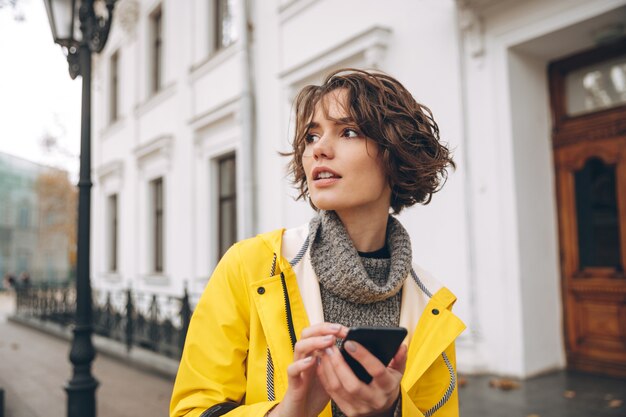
x,y
155,322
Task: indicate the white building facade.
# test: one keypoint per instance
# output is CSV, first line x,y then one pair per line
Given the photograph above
x,y
193,105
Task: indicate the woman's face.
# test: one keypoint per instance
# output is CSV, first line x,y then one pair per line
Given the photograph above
x,y
342,167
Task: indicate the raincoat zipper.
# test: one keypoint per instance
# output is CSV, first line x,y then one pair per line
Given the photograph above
x,y
292,333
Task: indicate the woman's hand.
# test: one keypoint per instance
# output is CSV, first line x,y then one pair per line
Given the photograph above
x,y
305,395
353,396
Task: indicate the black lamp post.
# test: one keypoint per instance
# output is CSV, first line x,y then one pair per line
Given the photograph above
x,y
79,45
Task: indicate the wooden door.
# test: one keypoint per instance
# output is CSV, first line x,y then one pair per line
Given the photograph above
x,y
588,98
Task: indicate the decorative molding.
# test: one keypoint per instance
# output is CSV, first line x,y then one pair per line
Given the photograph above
x,y
111,277
155,99
111,169
588,283
472,29
600,131
471,16
112,128
291,8
370,45
127,14
591,289
218,137
158,148
157,280
213,60
216,114
480,6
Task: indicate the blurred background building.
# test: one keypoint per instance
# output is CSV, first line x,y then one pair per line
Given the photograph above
x,y
193,105
37,222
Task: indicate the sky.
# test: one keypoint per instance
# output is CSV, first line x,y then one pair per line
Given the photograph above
x,y
37,95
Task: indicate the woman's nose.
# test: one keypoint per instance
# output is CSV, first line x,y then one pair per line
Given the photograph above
x,y
323,148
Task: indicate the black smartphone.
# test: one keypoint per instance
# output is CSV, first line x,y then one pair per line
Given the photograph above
x,y
382,342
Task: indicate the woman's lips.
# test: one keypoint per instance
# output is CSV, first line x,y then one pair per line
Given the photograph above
x,y
325,182
322,172
324,177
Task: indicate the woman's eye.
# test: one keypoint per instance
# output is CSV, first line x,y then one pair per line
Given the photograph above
x,y
350,133
311,138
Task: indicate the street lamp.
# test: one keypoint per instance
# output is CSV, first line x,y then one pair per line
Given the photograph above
x,y
79,45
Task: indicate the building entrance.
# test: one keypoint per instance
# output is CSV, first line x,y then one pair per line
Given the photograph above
x,y
588,100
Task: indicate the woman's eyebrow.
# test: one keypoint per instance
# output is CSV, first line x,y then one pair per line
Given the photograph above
x,y
344,121
340,121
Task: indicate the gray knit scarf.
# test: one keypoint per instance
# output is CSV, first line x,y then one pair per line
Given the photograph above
x,y
355,290
343,273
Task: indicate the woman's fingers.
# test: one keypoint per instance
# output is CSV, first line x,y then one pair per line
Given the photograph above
x,y
297,367
325,328
307,347
372,365
318,337
399,360
305,391
326,370
351,394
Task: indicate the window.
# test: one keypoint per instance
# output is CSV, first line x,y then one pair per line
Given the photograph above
x,y
50,270
112,232
23,260
597,215
114,87
595,87
4,211
24,217
156,187
227,209
156,45
225,23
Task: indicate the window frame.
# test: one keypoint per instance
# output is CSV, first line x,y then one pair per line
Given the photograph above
x,y
156,50
218,24
226,197
113,233
114,96
24,216
157,207
569,129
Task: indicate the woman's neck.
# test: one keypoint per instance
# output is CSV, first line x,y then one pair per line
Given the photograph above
x,y
368,233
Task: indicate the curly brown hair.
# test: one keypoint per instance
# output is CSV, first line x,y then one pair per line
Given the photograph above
x,y
414,159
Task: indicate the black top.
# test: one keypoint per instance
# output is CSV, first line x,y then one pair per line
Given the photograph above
x,y
382,253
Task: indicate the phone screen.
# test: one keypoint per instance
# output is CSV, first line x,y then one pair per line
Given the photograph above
x,y
382,342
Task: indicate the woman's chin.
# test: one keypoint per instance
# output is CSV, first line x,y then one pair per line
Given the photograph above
x,y
325,205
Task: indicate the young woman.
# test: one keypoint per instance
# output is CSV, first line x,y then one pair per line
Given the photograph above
x,y
263,338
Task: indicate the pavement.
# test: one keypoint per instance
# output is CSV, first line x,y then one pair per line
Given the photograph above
x,y
34,368
557,394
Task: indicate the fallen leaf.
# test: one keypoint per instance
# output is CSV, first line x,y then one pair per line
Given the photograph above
x,y
533,415
462,381
615,403
569,394
504,384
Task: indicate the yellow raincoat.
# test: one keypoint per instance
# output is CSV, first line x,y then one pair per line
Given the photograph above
x,y
261,296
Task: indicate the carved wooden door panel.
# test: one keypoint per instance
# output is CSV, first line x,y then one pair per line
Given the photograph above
x,y
592,210
588,94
